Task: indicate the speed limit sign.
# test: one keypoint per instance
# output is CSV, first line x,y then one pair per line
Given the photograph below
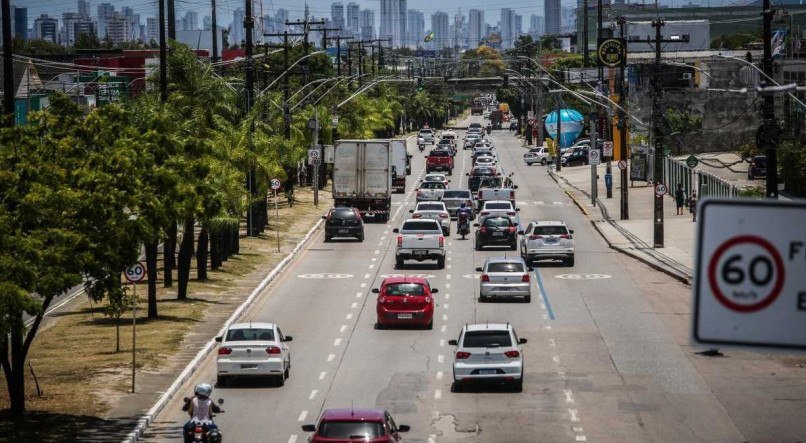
x,y
275,184
750,284
135,273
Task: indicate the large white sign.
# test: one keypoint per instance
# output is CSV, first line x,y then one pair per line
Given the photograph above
x,y
750,284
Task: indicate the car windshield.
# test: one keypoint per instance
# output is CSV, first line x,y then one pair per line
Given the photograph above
x,y
550,230
502,205
440,154
431,207
421,225
425,131
487,339
498,221
250,334
456,194
505,267
343,213
760,161
433,185
405,289
351,429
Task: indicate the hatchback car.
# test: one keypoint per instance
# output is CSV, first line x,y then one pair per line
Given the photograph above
x,y
505,278
757,167
435,211
343,222
488,352
552,240
496,230
485,160
405,301
499,208
253,349
440,178
355,425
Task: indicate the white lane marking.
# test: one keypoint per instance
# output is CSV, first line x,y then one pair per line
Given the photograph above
x,y
302,416
450,244
556,359
371,266
447,285
446,306
448,277
552,342
374,259
349,316
543,306
440,374
435,415
441,343
383,237
444,317
292,439
343,328
313,394
441,358
448,266
447,296
363,285
574,416
578,429
366,276
569,397
322,375
548,326
438,394
330,357
385,232
443,328
354,305
450,258
581,438
380,243
337,342
561,374
377,252
358,294
545,316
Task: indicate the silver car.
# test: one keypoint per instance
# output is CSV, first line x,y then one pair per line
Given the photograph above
x,y
503,277
547,240
253,349
488,352
434,211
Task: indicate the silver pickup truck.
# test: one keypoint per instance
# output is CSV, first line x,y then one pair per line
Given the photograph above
x,y
420,239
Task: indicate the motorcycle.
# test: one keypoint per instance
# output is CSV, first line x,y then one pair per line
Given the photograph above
x,y
421,146
463,224
203,432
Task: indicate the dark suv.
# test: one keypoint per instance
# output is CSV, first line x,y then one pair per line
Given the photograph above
x,y
496,231
577,156
343,222
757,168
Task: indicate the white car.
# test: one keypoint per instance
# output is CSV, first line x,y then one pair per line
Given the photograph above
x,y
430,191
505,277
425,136
253,349
488,352
438,178
434,211
499,208
486,114
537,155
485,160
543,240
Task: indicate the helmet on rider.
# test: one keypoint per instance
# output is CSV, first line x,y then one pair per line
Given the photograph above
x,y
203,389
463,205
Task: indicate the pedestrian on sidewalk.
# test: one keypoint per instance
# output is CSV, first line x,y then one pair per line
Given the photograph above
x,y
692,205
680,198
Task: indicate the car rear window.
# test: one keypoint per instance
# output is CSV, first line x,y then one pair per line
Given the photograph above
x,y
505,267
760,161
433,185
250,334
425,131
439,154
351,429
421,225
498,221
483,171
343,213
497,206
434,178
456,194
550,230
430,207
405,289
487,339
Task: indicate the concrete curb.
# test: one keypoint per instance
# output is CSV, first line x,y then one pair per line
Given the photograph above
x,y
190,369
685,279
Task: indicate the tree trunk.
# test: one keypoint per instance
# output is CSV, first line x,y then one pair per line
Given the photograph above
x,y
183,262
14,371
236,239
117,334
215,249
226,244
151,274
201,254
264,214
169,256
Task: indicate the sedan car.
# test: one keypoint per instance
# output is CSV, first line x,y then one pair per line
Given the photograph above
x,y
453,199
496,230
434,211
500,208
343,222
425,135
505,277
253,349
537,155
485,160
430,191
488,352
438,178
405,301
551,240
355,425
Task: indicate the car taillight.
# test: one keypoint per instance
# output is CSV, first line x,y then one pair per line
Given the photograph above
x,y
224,351
329,215
416,215
273,350
485,278
525,278
399,241
357,214
469,203
441,241
512,195
479,197
428,300
511,213
485,213
535,237
565,236
512,229
512,354
461,355
443,215
483,229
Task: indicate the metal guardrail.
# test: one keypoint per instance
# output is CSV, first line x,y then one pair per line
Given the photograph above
x,y
707,184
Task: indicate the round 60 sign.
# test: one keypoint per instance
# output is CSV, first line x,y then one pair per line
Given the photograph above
x,y
135,273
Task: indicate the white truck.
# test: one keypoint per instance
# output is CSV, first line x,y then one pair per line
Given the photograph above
x,y
362,176
400,165
420,239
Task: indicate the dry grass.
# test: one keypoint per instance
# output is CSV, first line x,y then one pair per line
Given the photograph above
x,y
74,356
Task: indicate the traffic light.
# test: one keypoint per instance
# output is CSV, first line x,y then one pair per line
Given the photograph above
x,y
506,80
419,84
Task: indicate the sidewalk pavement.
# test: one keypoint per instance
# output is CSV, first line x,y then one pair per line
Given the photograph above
x,y
635,236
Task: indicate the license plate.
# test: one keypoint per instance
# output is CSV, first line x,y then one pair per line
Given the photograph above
x,y
420,252
551,240
405,316
487,371
498,234
248,366
343,231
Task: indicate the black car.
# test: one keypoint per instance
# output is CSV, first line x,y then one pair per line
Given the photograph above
x,y
477,174
757,168
343,222
577,156
496,231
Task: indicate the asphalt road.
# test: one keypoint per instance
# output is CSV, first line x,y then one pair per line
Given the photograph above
x,y
606,360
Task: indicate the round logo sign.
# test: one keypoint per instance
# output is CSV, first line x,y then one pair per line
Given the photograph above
x,y
692,161
276,183
746,273
612,52
661,190
622,164
135,273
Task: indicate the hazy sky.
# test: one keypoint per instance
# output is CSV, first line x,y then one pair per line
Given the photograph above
x,y
319,8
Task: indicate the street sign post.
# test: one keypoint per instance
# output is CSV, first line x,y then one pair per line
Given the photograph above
x,y
134,274
661,190
313,154
594,157
750,288
692,161
275,185
622,164
607,148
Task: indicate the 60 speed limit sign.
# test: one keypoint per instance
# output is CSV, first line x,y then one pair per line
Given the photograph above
x,y
750,283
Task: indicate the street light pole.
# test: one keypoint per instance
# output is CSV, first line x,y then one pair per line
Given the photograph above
x,y
622,124
768,133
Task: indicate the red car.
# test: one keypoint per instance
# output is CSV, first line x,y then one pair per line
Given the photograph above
x,y
405,301
355,425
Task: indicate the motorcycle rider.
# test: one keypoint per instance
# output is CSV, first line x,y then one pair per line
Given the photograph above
x,y
463,215
200,408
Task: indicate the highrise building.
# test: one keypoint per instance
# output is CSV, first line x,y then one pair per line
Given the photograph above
x,y
152,30
119,29
19,22
507,25
552,19
518,28
237,33
337,15
84,8
415,28
105,12
279,20
390,24
439,26
353,20
207,23
476,28
400,39
191,21
46,28
568,19
536,26
367,24
75,24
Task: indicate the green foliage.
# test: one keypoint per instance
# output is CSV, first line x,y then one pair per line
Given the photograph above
x,y
753,192
683,121
792,161
735,41
489,61
749,150
550,42
561,64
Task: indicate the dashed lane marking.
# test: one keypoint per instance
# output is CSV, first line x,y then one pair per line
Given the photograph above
x,y
349,316
581,438
313,394
343,328
438,394
444,317
322,375
366,276
446,306
440,374
337,342
447,296
443,328
551,342
330,357
574,416
578,429
354,305
569,397
363,285
441,358
302,416
292,438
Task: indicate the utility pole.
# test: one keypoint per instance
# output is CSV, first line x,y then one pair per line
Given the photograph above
x,y
306,27
585,55
163,54
622,124
324,35
339,38
349,64
601,86
171,20
285,47
768,133
214,57
8,67
248,25
558,160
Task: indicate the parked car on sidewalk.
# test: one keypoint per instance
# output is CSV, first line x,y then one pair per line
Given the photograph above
x,y
343,222
757,167
575,156
547,240
253,350
405,301
488,352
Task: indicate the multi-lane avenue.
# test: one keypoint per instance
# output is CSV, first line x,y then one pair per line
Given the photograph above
x,y
607,357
